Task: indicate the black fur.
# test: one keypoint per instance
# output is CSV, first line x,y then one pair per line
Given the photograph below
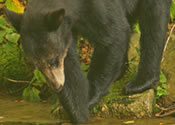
x,y
107,25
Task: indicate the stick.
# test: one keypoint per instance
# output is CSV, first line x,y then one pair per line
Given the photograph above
x,y
166,114
17,81
168,39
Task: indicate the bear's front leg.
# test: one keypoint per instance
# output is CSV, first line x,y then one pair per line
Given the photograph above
x,y
74,96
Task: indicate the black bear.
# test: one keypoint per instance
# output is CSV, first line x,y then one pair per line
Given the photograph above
x,y
49,29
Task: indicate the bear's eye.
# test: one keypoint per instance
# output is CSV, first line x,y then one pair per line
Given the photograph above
x,y
53,63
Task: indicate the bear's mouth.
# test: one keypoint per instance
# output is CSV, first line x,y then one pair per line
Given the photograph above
x,y
55,78
55,75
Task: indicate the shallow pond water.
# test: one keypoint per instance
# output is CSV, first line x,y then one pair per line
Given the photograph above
x,y
112,121
18,112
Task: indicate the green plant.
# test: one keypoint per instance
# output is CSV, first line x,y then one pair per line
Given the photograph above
x,y
172,10
161,90
12,64
31,93
14,5
12,61
136,28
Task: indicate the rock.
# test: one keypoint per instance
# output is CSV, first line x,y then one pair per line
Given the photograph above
x,y
141,106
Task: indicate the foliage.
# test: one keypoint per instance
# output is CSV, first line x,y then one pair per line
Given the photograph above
x,y
38,79
136,28
11,59
162,89
85,51
172,10
31,93
12,62
15,5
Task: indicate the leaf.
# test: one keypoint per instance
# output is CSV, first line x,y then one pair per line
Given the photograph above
x,y
35,91
3,21
162,77
15,5
31,94
4,24
14,37
2,33
161,91
39,76
164,86
83,67
136,28
26,93
81,38
133,59
172,10
39,84
137,50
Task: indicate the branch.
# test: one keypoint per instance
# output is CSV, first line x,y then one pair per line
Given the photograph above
x,y
17,81
168,39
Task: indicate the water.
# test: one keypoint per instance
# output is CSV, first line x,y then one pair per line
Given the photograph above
x,y
151,121
18,112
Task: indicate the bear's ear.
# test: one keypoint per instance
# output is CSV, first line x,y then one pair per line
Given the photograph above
x,y
54,19
14,18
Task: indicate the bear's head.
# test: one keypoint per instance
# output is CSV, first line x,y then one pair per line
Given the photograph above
x,y
46,37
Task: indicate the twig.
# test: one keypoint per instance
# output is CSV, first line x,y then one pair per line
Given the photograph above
x,y
168,39
166,114
17,81
161,108
165,111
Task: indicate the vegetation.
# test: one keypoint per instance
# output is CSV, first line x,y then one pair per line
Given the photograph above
x,y
172,11
12,63
14,67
